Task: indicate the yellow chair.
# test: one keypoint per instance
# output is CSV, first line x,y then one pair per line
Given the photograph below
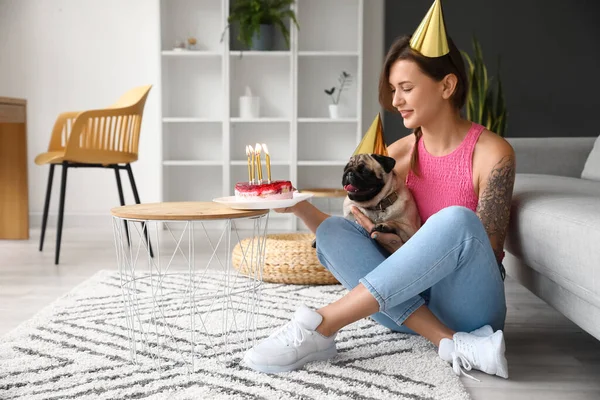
x,y
105,138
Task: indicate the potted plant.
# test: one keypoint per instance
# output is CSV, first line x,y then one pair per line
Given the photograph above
x,y
344,80
485,100
258,19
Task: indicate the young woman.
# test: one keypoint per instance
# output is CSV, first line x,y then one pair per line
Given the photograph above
x,y
446,282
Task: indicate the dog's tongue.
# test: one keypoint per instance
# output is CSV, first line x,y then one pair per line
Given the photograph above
x,y
350,188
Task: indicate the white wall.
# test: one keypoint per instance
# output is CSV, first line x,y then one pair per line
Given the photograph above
x,y
64,55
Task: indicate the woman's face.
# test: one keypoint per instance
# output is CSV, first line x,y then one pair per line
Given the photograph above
x,y
415,95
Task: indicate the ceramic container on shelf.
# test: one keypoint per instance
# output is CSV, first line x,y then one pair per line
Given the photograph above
x,y
249,105
334,111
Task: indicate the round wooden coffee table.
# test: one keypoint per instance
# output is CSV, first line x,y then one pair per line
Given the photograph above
x,y
179,308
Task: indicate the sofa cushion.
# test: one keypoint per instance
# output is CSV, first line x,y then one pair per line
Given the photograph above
x,y
555,229
562,156
591,169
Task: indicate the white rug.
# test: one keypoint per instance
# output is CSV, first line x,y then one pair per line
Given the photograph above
x,y
78,348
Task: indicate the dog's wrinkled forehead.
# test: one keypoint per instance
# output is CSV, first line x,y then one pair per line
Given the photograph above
x,y
367,161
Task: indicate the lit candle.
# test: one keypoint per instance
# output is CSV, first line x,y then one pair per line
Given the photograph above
x,y
257,149
249,154
251,158
268,159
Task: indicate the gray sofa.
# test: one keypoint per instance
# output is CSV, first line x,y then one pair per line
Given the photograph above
x,y
553,244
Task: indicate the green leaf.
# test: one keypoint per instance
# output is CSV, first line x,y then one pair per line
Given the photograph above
x,y
250,14
485,98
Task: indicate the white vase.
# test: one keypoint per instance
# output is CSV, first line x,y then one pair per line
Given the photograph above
x,y
249,107
334,111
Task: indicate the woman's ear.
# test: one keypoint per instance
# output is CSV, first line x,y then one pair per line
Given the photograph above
x,y
449,86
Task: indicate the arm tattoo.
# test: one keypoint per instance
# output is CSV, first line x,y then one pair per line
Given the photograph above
x,y
494,204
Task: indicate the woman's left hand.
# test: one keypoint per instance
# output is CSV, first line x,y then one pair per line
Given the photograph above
x,y
389,241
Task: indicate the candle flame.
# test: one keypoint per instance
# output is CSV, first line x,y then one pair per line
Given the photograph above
x,y
258,148
250,150
265,149
247,151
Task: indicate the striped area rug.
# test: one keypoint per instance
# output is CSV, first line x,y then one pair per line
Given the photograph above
x,y
78,348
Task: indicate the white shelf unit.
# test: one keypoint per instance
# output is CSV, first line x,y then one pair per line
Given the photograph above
x,y
203,136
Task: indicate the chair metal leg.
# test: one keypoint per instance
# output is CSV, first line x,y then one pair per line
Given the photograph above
x,y
46,205
122,200
136,196
61,210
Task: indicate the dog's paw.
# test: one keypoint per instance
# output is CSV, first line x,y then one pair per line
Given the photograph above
x,y
383,228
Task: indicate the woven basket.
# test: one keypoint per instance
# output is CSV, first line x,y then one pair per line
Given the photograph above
x,y
289,258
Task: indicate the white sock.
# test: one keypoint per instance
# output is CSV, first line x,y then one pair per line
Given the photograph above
x,y
446,349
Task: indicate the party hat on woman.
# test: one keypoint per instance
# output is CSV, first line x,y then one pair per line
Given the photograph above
x,y
430,38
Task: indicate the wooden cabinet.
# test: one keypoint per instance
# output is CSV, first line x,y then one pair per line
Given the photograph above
x,y
14,199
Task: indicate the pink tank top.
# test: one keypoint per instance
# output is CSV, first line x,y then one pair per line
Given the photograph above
x,y
447,180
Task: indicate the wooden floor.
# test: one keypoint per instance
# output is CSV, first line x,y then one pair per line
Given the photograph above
x,y
549,357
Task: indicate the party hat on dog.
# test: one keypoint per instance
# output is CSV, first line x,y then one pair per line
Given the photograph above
x,y
430,37
372,142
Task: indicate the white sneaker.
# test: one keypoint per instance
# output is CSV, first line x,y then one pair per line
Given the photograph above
x,y
446,346
485,330
483,353
292,345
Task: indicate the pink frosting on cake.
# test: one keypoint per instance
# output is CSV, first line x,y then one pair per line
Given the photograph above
x,y
276,190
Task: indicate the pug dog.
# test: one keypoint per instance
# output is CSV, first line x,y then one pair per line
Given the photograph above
x,y
374,188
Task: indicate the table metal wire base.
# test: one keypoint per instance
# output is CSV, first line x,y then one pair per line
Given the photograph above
x,y
180,310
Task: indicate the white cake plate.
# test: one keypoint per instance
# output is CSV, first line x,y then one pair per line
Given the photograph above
x,y
251,204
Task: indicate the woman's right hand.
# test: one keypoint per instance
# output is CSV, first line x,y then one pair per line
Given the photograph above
x,y
291,209
287,210
284,210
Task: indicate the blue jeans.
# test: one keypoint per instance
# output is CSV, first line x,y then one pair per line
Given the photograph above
x,y
448,265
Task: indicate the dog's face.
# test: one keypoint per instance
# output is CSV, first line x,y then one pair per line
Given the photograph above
x,y
365,175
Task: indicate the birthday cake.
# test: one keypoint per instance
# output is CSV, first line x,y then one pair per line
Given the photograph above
x,y
255,188
275,190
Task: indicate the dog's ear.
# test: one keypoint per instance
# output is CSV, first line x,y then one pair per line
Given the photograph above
x,y
387,163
